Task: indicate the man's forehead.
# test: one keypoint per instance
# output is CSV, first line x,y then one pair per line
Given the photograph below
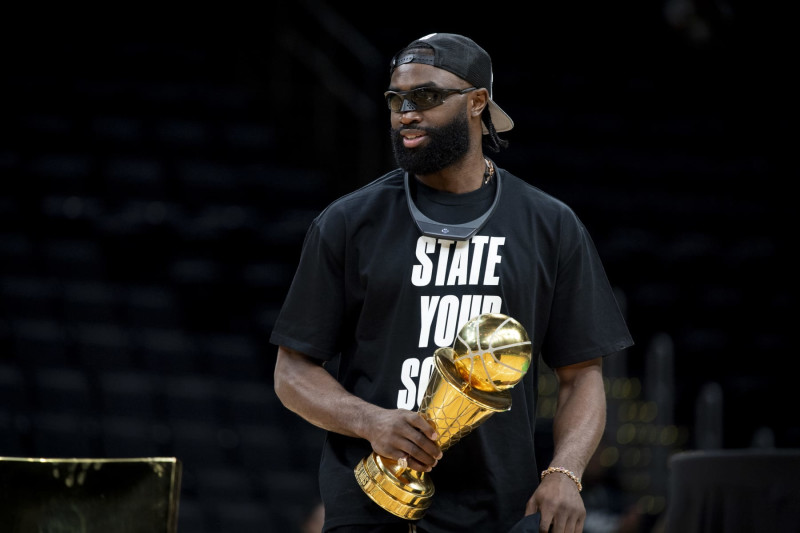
x,y
417,74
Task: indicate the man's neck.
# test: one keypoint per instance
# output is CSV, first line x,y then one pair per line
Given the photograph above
x,y
466,175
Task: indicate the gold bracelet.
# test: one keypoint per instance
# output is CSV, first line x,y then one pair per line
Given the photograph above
x,y
566,472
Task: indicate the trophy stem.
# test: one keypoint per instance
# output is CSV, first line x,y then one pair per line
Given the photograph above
x,y
402,491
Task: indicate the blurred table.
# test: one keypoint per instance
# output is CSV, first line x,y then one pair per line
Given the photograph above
x,y
734,491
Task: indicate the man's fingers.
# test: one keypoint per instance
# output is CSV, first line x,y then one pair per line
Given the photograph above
x,y
426,427
424,458
408,434
426,436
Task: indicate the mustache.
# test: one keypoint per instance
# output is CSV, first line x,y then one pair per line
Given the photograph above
x,y
415,128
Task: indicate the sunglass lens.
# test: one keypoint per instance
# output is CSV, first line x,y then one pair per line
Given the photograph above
x,y
395,101
425,98
416,99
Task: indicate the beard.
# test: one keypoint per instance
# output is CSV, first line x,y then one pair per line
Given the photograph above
x,y
446,145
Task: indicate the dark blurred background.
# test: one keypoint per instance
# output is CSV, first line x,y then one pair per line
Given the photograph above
x,y
159,173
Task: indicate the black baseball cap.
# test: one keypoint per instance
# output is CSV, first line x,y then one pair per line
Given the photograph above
x,y
461,56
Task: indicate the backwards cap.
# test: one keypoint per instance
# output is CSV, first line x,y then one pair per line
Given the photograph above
x,y
461,56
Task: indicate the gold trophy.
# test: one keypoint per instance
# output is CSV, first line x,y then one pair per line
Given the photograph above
x,y
471,381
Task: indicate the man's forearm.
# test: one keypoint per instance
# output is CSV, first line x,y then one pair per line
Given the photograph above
x,y
308,390
580,418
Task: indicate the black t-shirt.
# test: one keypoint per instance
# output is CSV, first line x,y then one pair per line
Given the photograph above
x,y
370,288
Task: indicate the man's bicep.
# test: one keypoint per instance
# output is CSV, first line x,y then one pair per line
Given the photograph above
x,y
569,373
290,360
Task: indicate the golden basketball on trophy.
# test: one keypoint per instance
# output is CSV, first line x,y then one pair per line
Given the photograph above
x,y
471,381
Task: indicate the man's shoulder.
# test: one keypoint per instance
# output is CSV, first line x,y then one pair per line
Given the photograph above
x,y
391,182
525,191
364,202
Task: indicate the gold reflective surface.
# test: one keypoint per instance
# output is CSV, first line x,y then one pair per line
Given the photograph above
x,y
470,382
403,492
492,352
454,408
137,495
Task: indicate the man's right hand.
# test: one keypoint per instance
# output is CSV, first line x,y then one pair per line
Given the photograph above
x,y
396,433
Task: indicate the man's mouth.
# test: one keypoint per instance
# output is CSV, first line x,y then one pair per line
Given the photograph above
x,y
412,140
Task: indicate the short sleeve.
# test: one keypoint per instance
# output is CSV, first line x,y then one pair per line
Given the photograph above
x,y
311,316
585,318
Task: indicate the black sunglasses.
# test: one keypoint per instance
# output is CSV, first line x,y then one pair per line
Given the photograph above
x,y
420,99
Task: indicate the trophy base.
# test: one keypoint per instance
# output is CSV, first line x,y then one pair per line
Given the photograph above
x,y
401,491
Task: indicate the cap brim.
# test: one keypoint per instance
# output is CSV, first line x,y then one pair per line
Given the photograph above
x,y
501,121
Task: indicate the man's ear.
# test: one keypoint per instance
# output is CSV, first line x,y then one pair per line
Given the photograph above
x,y
478,101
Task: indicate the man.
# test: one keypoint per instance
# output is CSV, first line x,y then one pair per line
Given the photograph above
x,y
391,272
